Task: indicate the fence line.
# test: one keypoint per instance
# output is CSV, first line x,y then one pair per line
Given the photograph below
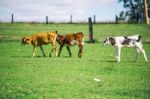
x,y
69,21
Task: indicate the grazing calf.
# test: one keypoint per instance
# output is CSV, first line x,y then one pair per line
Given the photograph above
x,y
37,40
126,41
71,39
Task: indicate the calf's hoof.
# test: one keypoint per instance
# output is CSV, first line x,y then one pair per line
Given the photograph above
x,y
80,56
118,61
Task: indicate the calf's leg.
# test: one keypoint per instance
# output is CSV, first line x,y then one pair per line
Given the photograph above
x,y
33,53
42,50
118,52
80,51
68,48
60,48
54,47
139,47
137,53
143,52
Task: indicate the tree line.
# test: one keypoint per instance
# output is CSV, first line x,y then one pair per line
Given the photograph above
x,y
135,10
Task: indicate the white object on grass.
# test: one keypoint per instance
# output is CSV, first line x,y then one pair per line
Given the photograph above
x,y
96,79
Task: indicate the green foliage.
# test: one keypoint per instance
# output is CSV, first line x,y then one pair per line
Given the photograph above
x,y
23,77
134,10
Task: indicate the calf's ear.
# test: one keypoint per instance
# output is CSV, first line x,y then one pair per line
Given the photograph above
x,y
107,38
125,37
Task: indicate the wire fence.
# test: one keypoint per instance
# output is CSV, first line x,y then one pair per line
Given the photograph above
x,y
59,19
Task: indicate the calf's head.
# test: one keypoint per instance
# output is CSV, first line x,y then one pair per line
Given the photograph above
x,y
60,38
109,40
26,40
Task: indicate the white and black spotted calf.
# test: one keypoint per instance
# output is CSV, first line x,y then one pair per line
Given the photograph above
x,y
126,41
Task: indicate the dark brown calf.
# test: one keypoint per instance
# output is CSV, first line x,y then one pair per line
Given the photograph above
x,y
71,39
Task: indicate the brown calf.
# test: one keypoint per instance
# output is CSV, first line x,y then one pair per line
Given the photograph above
x,y
70,40
37,40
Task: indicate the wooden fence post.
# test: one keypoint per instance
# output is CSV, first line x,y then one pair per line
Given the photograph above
x,y
46,19
94,19
116,19
90,30
12,18
70,19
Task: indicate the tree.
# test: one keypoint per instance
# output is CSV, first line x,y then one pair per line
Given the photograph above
x,y
134,9
146,12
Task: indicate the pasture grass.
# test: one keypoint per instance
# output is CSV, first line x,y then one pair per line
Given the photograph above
x,y
62,77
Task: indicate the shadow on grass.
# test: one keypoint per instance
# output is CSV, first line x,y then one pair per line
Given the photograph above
x,y
63,57
114,61
111,61
28,56
38,56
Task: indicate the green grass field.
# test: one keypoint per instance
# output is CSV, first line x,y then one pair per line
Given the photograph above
x,y
23,77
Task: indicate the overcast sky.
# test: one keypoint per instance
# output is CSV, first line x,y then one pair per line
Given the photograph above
x,y
59,10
